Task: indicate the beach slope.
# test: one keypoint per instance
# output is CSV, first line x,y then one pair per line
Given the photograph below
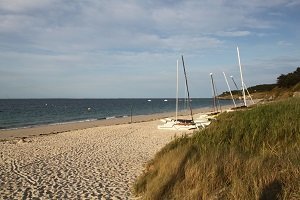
x,y
99,162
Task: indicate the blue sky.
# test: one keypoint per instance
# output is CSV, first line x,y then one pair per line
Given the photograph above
x,y
127,48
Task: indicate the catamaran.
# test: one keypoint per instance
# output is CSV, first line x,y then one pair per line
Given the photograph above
x,y
179,124
205,119
229,89
244,88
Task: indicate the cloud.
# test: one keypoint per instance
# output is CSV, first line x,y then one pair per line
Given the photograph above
x,y
293,3
233,33
24,6
124,25
284,43
16,24
101,41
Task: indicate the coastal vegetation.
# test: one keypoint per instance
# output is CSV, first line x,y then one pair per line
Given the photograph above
x,y
247,154
287,85
289,80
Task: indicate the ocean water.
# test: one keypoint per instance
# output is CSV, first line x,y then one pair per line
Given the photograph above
x,y
17,113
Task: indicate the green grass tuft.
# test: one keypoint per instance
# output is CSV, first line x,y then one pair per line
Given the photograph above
x,y
250,154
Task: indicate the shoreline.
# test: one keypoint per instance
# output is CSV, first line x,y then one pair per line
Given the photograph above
x,y
99,159
48,129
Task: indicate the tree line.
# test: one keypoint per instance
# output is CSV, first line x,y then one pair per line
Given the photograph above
x,y
289,80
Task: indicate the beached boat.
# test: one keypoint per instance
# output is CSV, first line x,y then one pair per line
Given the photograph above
x,y
229,89
244,87
205,119
179,124
216,102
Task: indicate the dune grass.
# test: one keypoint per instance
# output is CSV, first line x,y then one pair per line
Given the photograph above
x,y
250,154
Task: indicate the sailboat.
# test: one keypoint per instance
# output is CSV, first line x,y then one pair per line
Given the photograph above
x,y
244,88
229,89
216,102
242,80
205,119
179,124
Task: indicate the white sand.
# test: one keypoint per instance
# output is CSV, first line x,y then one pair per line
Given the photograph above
x,y
94,163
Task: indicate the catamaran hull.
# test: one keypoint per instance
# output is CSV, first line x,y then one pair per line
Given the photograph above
x,y
172,125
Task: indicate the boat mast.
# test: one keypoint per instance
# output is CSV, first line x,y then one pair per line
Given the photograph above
x,y
234,83
243,88
214,92
187,88
177,93
229,89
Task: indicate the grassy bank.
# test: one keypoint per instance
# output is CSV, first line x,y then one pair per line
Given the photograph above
x,y
251,154
275,92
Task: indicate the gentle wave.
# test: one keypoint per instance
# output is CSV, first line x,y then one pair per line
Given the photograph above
x,y
27,113
73,122
51,124
63,123
115,117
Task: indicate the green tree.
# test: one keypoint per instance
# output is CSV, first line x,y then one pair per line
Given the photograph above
x,y
289,79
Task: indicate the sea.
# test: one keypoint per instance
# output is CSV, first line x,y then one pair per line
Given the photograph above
x,y
24,113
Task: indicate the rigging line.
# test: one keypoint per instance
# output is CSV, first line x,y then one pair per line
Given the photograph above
x,y
187,88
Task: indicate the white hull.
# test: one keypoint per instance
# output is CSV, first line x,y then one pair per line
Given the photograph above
x,y
202,121
179,124
176,125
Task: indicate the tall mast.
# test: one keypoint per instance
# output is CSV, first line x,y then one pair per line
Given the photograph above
x,y
243,88
187,88
177,92
214,92
229,89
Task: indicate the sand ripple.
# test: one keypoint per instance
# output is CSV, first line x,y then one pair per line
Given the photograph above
x,y
95,163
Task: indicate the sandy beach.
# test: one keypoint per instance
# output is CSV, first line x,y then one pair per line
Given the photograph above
x,y
91,163
92,160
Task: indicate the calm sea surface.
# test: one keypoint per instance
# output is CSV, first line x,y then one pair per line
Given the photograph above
x,y
16,113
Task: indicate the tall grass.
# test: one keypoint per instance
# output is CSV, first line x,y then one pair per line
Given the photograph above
x,y
251,154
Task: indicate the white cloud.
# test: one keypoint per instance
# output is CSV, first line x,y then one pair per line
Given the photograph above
x,y
293,3
258,4
111,39
15,24
59,25
233,33
21,5
284,43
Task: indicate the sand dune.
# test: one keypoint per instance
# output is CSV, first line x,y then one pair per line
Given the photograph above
x,y
93,163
